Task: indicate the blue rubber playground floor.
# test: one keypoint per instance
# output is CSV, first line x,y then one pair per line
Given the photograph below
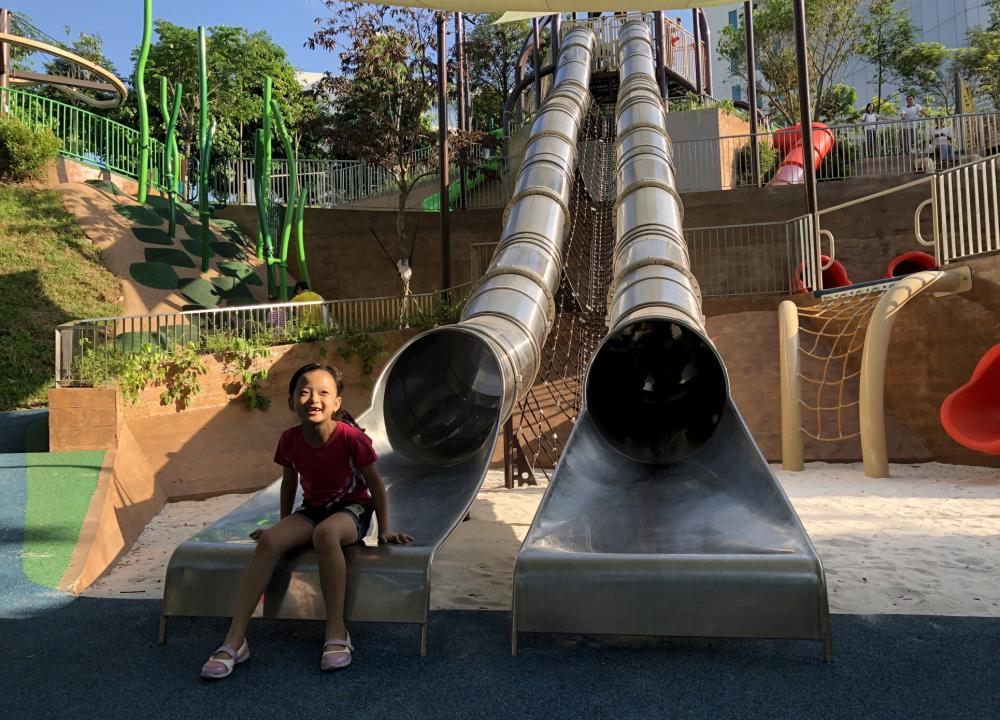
x,y
63,656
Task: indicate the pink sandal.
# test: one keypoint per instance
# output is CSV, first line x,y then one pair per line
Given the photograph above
x,y
338,656
216,668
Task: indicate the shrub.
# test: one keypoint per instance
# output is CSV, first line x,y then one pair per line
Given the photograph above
x,y
768,162
24,151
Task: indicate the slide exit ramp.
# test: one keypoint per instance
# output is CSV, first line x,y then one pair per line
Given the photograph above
x,y
437,407
662,518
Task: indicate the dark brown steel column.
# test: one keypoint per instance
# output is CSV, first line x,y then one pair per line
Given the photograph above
x,y
536,54
752,91
555,28
698,88
460,102
805,103
661,52
442,29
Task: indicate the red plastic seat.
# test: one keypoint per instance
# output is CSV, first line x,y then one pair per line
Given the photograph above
x,y
834,276
971,414
909,263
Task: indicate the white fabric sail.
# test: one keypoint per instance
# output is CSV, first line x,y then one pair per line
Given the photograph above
x,y
549,7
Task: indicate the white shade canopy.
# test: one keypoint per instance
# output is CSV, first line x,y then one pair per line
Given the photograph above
x,y
549,7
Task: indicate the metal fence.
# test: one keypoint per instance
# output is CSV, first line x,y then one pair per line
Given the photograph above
x,y
92,352
965,211
339,183
889,148
681,52
755,259
86,137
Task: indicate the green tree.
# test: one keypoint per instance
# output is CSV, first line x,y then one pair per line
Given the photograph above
x,y
238,62
885,34
923,70
388,81
834,41
979,64
491,52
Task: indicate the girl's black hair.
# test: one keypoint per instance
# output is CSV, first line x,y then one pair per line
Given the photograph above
x,y
338,378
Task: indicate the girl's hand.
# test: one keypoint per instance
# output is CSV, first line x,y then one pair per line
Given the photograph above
x,y
256,534
394,538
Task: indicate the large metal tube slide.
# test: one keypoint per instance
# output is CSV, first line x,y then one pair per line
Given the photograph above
x,y
448,390
656,387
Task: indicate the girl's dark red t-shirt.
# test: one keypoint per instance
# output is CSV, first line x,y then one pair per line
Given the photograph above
x,y
327,474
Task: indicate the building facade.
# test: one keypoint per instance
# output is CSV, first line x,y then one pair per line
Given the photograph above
x,y
943,21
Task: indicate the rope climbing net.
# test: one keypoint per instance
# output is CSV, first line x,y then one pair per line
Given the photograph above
x,y
543,419
831,338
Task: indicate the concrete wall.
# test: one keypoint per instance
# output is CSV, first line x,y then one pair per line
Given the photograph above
x,y
345,260
707,163
867,236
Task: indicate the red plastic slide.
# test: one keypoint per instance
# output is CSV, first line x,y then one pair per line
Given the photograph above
x,y
788,141
909,263
971,414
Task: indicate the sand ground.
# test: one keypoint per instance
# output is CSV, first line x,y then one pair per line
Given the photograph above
x,y
926,541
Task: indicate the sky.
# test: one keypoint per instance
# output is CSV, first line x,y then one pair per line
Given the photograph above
x,y
119,23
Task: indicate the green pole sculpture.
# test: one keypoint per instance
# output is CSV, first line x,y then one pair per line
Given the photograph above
x,y
140,93
206,133
295,207
262,190
170,160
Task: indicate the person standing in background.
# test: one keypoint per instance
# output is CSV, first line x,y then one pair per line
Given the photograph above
x,y
870,121
911,112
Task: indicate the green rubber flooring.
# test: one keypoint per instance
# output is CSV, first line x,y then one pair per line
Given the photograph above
x,y
60,487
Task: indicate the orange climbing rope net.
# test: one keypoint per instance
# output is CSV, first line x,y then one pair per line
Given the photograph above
x,y
832,336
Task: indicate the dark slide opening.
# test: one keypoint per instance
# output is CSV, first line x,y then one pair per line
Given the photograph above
x,y
442,397
656,391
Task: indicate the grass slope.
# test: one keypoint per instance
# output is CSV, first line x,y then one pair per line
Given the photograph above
x,y
60,486
49,274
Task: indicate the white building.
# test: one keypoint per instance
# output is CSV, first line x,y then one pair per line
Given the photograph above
x,y
725,86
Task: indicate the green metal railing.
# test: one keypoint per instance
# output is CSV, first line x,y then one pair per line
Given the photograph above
x,y
87,137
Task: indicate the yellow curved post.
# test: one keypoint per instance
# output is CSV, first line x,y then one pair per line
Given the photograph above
x,y
36,45
876,350
791,388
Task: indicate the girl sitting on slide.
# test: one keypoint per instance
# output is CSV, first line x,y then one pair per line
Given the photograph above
x,y
335,462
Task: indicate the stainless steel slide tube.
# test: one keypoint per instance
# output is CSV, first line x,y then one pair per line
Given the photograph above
x,y
656,388
447,389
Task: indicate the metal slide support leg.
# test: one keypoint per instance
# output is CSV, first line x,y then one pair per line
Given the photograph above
x,y
163,629
423,639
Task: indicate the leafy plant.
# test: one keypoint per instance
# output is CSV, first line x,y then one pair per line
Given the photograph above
x,y
363,345
25,151
768,157
179,374
240,355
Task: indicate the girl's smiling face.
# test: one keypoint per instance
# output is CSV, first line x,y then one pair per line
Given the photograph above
x,y
316,398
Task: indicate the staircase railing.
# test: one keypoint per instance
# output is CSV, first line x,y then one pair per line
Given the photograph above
x,y
86,136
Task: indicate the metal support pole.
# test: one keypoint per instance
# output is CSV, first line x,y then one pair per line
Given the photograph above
x,y
555,28
4,64
752,91
518,105
442,29
698,88
536,55
706,51
660,38
460,102
805,103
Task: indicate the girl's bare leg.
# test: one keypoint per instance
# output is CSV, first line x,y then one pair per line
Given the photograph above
x,y
288,533
329,538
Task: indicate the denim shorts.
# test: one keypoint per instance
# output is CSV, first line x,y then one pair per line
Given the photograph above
x,y
360,513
